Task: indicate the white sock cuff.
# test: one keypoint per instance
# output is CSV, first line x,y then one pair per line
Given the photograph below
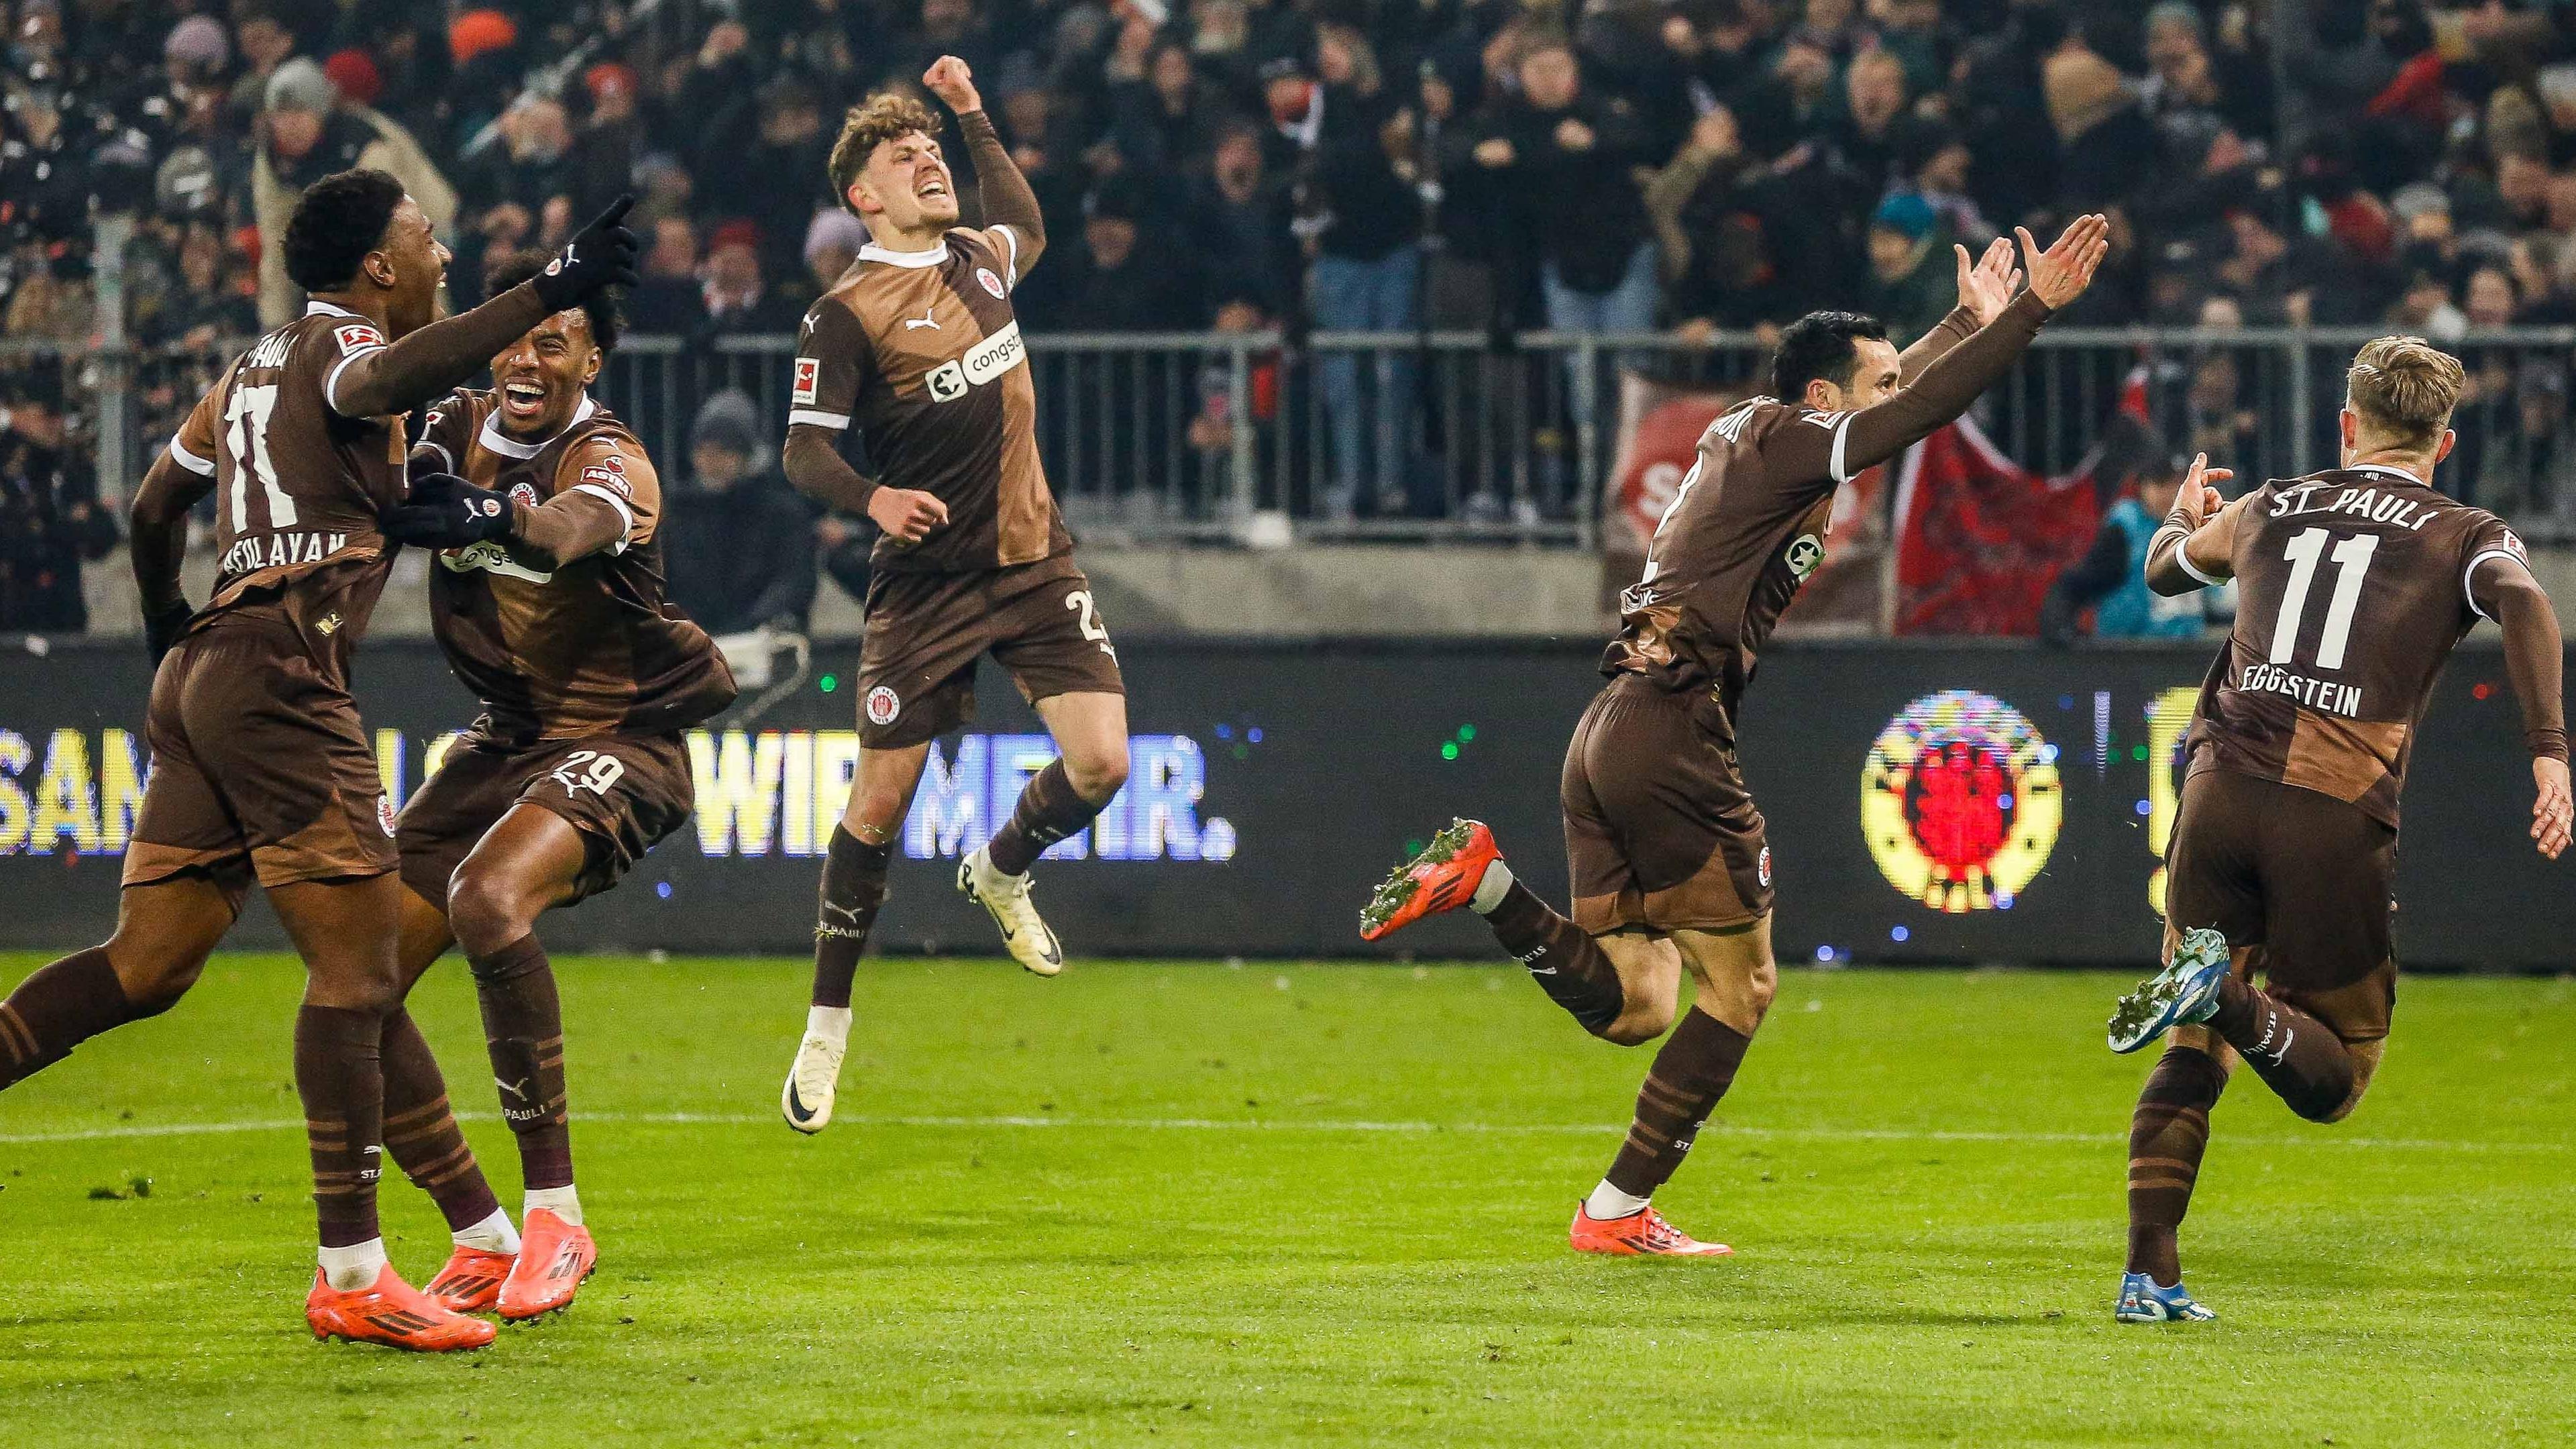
x,y
1608,1202
1491,888
831,1021
564,1202
493,1235
354,1266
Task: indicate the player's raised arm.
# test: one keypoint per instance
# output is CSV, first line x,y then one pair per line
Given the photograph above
x,y
2197,544
1008,201
387,380
2502,588
2057,276
1986,287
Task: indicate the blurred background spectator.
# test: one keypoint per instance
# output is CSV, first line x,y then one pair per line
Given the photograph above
x,y
50,518
737,543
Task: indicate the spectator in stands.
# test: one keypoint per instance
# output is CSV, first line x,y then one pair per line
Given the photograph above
x,y
670,302
1360,220
1571,157
1238,222
737,297
736,540
1867,137
1912,281
2528,470
1166,123
1709,219
531,161
2111,578
51,520
205,308
763,159
306,133
1127,277
832,242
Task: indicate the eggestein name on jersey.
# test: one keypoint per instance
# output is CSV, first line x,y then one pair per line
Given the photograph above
x,y
2317,694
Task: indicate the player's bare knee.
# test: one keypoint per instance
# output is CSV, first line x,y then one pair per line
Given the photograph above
x,y
1096,775
153,979
1639,1023
485,909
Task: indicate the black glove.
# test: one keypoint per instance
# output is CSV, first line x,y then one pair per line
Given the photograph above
x,y
602,254
444,511
161,628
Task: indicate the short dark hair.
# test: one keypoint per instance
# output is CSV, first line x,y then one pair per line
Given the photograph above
x,y
337,221
512,268
880,118
1820,345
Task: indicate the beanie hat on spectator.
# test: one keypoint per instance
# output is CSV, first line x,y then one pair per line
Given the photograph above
x,y
2419,198
739,232
198,41
300,85
354,72
835,227
608,78
187,184
1906,214
477,32
2083,90
729,420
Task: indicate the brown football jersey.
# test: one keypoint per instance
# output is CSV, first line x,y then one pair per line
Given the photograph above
x,y
590,647
1743,533
297,486
2352,587
921,352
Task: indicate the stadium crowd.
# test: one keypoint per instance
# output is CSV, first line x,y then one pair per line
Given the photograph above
x,y
1345,164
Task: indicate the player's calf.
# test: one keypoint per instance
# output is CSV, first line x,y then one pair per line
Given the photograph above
x,y
1462,866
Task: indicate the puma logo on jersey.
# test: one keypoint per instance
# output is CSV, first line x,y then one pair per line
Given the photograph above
x,y
924,320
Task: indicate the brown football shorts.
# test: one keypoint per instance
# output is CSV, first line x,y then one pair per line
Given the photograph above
x,y
2304,876
1660,832
623,793
260,766
925,631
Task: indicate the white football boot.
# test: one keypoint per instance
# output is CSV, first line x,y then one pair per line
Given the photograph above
x,y
812,1082
1024,934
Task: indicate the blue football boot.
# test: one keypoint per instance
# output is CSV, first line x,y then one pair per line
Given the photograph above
x,y
2141,1301
2185,993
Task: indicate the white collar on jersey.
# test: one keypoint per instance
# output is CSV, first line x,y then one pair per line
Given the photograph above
x,y
931,258
502,443
325,309
2395,475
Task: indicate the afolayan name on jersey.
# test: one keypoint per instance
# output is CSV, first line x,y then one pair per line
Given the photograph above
x,y
280,550
2370,503
2322,695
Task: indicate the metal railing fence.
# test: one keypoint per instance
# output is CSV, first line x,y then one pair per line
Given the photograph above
x,y
1464,437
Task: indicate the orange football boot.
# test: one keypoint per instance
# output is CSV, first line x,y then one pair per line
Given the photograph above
x,y
391,1312
1442,878
471,1281
1643,1233
554,1256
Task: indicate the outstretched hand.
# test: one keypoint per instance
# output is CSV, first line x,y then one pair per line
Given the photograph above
x,y
1986,286
601,255
2552,811
2060,274
2197,499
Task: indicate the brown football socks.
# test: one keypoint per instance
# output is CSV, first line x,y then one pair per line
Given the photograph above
x,y
58,1008
2166,1138
2294,1053
421,1134
523,1028
339,1073
1562,958
1692,1070
854,889
1049,810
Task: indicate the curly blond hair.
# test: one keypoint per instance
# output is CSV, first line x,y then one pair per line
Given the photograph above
x,y
2404,388
880,118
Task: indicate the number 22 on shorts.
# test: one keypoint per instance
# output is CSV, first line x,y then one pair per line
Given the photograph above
x,y
1091,630
604,771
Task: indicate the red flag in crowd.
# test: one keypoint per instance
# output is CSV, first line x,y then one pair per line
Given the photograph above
x,y
1980,538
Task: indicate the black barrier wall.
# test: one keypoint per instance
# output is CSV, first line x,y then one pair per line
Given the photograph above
x,y
1949,804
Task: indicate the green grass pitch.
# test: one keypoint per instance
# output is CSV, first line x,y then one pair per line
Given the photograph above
x,y
1314,1204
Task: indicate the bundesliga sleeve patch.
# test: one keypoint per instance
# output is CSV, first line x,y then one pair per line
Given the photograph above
x,y
358,336
809,380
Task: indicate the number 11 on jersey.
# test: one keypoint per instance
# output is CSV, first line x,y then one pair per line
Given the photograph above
x,y
2352,565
